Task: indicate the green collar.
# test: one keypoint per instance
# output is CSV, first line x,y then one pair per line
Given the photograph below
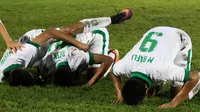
x,y
142,76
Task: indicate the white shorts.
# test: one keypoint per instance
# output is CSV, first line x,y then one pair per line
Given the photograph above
x,y
98,41
183,59
20,58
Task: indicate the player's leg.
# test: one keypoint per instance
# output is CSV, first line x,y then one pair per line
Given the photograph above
x,y
87,25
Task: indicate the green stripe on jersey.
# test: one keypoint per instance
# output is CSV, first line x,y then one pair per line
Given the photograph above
x,y
56,44
12,67
188,60
91,60
142,76
34,44
104,38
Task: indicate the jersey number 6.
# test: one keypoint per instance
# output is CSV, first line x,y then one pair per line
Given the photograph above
x,y
148,39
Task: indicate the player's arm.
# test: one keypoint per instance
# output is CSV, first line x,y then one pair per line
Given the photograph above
x,y
117,82
53,33
183,94
73,29
105,62
11,45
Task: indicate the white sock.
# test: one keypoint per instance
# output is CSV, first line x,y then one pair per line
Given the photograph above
x,y
95,23
112,55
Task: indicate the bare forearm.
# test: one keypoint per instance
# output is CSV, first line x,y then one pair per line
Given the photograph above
x,y
68,39
74,29
53,33
4,33
105,62
183,94
117,84
188,86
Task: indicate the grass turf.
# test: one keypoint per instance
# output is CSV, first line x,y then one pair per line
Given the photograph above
x,y
20,16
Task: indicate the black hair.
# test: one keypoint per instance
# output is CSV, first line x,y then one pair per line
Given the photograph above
x,y
134,91
20,76
63,76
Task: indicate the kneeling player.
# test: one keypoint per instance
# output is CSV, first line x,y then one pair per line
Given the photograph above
x,y
152,61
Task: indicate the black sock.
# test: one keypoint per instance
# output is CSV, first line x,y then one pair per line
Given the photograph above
x,y
115,19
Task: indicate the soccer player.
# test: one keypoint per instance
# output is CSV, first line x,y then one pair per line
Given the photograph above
x,y
98,42
63,32
153,61
11,45
14,63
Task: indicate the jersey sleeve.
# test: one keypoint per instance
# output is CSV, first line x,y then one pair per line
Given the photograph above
x,y
119,69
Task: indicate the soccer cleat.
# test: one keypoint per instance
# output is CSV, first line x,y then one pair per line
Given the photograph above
x,y
122,16
114,53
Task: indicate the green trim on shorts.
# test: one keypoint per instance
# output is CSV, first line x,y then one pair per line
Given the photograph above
x,y
74,36
104,38
11,67
65,63
142,76
188,60
91,58
34,44
187,74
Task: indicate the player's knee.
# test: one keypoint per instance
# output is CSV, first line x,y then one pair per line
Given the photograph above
x,y
63,76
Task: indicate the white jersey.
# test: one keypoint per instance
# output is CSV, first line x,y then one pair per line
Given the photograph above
x,y
98,41
9,60
154,56
68,55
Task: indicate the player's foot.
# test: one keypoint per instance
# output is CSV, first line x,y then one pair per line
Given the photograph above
x,y
122,16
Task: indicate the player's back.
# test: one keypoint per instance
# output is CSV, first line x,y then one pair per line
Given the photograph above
x,y
158,45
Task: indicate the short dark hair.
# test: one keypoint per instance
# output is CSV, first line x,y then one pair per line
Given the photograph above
x,y
63,76
20,76
134,91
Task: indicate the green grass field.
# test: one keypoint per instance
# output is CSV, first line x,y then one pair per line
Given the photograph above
x,y
20,16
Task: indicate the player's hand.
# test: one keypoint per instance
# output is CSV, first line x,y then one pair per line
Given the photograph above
x,y
118,100
13,46
168,105
86,87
